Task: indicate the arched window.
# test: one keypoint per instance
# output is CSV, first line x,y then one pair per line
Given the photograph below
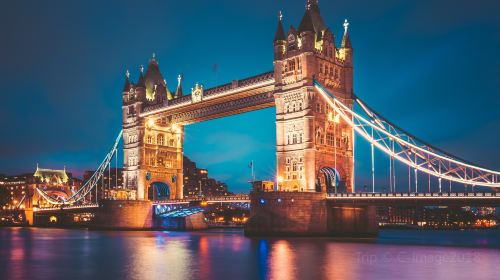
x,y
149,139
171,142
287,107
300,106
294,166
160,139
300,138
294,138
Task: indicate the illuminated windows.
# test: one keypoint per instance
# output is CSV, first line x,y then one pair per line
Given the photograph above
x,y
160,139
329,139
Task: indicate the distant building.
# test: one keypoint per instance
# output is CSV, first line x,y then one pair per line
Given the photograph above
x,y
197,182
263,186
56,183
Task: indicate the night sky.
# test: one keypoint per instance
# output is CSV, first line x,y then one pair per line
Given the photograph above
x,y
432,67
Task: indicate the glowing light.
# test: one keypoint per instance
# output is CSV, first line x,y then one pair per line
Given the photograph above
x,y
280,179
336,119
151,122
176,128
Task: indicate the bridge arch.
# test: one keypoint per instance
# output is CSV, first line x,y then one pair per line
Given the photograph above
x,y
158,191
328,180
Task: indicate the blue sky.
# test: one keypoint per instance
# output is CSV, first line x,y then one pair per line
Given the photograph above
x,y
432,67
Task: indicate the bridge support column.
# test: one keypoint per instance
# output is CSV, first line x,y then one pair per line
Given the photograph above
x,y
307,214
124,214
287,214
352,220
29,216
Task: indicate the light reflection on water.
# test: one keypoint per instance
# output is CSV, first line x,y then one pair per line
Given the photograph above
x,y
34,253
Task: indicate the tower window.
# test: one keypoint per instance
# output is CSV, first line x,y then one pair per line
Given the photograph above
x,y
294,138
329,139
160,139
149,139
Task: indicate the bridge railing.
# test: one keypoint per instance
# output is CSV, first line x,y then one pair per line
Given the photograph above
x,y
415,195
208,199
68,207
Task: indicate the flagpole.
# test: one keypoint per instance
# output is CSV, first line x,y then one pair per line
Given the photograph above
x,y
253,173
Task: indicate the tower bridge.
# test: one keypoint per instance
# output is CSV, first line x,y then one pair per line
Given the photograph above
x,y
318,115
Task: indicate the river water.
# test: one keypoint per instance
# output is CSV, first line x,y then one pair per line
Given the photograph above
x,y
37,253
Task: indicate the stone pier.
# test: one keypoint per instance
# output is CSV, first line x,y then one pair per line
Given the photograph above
x,y
124,214
307,214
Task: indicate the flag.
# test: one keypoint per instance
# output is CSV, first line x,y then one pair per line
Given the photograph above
x,y
250,165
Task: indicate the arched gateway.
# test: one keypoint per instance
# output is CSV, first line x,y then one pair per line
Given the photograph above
x,y
308,133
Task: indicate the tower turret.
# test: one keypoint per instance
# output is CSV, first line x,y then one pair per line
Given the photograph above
x,y
178,91
279,39
156,88
127,85
140,87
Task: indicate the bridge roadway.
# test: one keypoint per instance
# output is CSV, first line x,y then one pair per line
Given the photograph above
x,y
376,199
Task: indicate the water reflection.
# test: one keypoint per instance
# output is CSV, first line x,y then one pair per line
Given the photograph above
x,y
80,254
282,261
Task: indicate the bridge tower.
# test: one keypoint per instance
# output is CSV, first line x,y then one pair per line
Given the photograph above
x,y
309,136
152,146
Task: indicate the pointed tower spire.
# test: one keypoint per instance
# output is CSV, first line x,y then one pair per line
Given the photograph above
x,y
126,86
306,24
140,82
169,94
346,41
178,91
280,32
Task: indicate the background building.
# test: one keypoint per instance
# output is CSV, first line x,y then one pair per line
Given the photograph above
x,y
57,183
197,182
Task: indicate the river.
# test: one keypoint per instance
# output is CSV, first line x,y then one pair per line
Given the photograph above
x,y
40,253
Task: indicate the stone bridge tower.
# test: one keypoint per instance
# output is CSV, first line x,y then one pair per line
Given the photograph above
x,y
152,146
309,136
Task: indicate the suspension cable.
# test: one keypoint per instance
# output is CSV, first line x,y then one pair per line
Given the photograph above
x,y
426,157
